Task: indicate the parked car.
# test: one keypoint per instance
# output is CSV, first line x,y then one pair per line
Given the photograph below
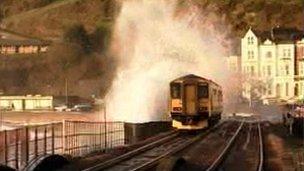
x,y
61,108
82,107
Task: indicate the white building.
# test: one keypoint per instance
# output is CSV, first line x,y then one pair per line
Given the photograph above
x,y
268,64
29,102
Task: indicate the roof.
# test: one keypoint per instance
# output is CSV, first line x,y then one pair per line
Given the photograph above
x,y
280,34
26,42
192,76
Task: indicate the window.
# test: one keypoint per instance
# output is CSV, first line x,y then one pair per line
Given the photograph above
x,y
203,91
176,91
278,90
250,54
252,70
268,54
286,86
269,70
287,69
296,90
250,40
286,52
269,89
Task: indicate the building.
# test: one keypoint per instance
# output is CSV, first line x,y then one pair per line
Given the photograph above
x,y
29,102
270,63
8,46
234,63
299,72
14,43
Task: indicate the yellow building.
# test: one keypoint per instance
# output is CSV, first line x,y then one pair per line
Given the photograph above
x,y
29,102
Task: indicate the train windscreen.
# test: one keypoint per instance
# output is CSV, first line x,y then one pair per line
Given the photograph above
x,y
176,91
203,91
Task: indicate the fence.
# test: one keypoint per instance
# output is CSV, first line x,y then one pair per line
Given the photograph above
x,y
76,138
299,160
82,138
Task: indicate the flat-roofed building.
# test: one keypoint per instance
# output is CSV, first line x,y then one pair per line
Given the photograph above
x,y
28,102
16,43
9,46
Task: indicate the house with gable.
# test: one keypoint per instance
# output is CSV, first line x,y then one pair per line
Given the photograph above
x,y
270,65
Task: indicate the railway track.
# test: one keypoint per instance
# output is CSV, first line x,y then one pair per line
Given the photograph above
x,y
244,151
149,155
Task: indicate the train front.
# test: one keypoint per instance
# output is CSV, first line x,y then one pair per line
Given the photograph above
x,y
189,103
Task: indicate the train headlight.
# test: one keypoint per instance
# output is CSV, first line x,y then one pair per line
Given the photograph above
x,y
177,108
203,108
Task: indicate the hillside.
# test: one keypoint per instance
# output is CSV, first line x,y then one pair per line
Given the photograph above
x,y
51,20
81,30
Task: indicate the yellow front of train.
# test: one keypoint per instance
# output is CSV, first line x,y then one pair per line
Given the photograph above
x,y
189,102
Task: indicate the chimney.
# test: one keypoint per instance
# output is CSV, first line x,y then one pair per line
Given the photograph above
x,y
271,33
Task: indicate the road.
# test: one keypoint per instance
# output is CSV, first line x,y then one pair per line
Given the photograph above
x,y
42,117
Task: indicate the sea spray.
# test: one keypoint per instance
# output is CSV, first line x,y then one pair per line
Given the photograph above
x,y
154,45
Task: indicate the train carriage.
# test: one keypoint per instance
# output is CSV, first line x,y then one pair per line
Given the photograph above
x,y
195,102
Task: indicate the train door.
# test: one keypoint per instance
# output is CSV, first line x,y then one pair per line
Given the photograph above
x,y
190,99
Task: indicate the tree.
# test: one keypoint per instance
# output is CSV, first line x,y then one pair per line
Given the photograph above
x,y
76,34
100,39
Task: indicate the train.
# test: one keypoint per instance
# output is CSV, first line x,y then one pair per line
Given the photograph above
x,y
195,102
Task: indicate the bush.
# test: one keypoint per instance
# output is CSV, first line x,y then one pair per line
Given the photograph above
x,y
100,38
76,34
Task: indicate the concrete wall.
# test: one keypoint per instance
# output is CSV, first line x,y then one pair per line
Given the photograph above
x,y
135,132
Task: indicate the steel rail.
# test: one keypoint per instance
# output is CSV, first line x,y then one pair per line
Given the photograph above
x,y
151,162
130,154
154,161
261,149
221,157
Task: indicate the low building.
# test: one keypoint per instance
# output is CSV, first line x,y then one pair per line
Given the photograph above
x,y
9,46
29,102
16,43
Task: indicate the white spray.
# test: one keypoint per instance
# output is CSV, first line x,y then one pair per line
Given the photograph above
x,y
154,45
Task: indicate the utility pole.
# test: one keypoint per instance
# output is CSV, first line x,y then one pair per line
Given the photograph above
x,y
1,118
66,92
105,123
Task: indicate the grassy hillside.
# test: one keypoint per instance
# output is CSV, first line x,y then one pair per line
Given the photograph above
x,y
13,7
237,15
51,20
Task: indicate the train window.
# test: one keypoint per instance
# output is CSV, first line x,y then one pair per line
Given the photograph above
x,y
176,91
203,91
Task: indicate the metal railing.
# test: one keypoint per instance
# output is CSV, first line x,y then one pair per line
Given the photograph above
x,y
76,138
82,138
